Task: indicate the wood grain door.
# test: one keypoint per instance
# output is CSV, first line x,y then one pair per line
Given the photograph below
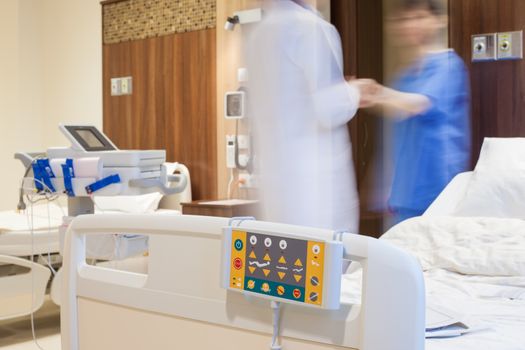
x,y
498,88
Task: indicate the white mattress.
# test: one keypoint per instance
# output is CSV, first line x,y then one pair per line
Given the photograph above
x,y
15,233
16,238
18,243
474,266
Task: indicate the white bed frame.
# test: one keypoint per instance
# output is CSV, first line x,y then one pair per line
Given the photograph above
x,y
22,294
179,304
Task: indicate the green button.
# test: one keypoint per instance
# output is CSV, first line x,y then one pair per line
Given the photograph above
x,y
238,245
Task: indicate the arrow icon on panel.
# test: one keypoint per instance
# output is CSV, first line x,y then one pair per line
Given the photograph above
x,y
252,269
267,258
281,274
266,272
252,255
282,260
298,277
298,263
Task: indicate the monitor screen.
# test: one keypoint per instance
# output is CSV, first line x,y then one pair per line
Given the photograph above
x,y
90,138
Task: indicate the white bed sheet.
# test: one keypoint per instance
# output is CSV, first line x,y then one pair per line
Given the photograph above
x,y
474,266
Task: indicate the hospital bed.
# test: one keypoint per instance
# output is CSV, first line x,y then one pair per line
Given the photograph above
x,y
473,265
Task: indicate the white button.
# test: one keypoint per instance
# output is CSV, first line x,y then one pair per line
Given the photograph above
x,y
253,240
283,244
268,242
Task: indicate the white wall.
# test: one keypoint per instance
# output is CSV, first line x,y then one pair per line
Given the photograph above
x,y
73,64
50,71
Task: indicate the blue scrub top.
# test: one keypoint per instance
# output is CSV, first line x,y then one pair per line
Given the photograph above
x,y
431,148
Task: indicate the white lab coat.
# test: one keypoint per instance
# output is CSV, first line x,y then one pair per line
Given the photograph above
x,y
300,105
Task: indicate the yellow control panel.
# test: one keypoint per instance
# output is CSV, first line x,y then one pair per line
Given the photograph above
x,y
238,260
281,267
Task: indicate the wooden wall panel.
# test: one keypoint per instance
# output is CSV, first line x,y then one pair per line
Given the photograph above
x,y
498,88
173,105
360,24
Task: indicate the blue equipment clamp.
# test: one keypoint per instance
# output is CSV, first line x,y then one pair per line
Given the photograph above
x,y
69,174
100,184
42,172
38,177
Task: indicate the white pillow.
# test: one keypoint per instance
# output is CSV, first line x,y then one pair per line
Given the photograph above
x,y
499,155
494,195
497,187
146,203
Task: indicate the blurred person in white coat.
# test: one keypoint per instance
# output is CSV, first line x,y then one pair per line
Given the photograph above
x,y
301,103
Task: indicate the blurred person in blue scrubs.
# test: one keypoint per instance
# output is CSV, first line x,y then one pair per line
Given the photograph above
x,y
429,105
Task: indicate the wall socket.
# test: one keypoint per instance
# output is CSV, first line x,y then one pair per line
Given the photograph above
x,y
121,86
247,180
497,46
510,46
484,47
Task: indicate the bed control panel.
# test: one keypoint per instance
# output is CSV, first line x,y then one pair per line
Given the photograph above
x,y
283,267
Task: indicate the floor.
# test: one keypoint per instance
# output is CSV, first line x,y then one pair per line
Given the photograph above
x,y
16,334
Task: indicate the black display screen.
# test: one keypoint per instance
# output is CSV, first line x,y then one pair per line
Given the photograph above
x,y
90,138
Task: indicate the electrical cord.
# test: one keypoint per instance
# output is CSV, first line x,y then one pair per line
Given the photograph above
x,y
21,204
32,231
230,183
276,308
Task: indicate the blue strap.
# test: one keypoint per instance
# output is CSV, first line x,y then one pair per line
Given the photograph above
x,y
44,173
46,167
69,174
38,177
112,179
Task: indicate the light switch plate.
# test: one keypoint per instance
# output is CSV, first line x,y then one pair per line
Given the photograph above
x,y
484,47
115,87
510,46
126,85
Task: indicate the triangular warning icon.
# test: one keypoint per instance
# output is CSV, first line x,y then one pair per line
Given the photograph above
x,y
267,258
282,260
252,255
266,272
298,263
297,277
252,269
281,274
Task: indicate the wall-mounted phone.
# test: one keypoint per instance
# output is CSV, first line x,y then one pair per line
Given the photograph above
x,y
234,145
230,152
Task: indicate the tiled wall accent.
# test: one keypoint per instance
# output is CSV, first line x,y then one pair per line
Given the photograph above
x,y
140,19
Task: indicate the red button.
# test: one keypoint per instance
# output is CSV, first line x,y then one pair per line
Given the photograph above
x,y
237,263
296,293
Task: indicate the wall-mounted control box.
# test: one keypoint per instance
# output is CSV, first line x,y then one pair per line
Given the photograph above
x,y
484,47
121,86
510,46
